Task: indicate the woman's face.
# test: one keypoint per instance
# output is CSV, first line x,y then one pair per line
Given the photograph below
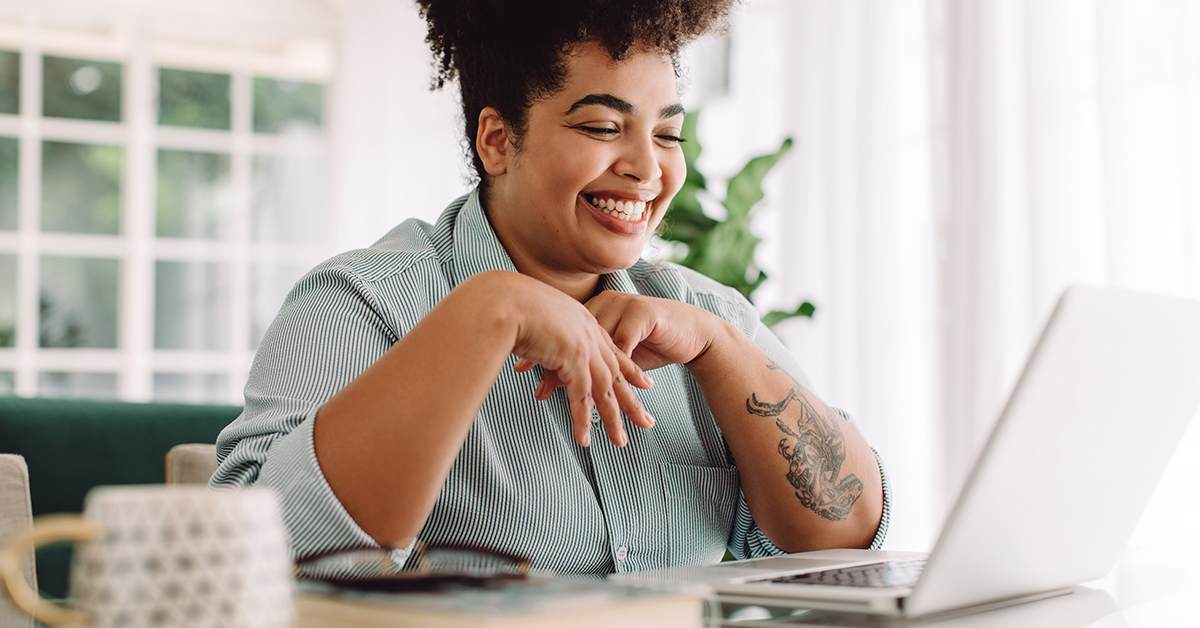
x,y
596,169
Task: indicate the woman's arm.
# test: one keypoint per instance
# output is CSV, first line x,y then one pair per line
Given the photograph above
x,y
386,441
809,478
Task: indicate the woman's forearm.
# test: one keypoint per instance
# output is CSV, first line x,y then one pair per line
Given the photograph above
x,y
810,479
387,440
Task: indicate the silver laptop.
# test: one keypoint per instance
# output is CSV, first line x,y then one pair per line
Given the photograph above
x,y
1091,424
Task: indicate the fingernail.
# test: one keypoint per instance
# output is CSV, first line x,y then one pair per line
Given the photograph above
x,y
587,438
623,438
649,418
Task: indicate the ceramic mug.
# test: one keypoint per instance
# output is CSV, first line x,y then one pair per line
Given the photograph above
x,y
174,555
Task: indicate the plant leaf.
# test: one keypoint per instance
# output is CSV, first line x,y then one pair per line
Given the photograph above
x,y
726,254
686,224
775,316
691,148
745,188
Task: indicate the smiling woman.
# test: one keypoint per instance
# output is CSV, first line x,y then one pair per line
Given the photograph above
x,y
443,384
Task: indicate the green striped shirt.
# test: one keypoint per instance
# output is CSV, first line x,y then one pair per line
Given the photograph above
x,y
520,484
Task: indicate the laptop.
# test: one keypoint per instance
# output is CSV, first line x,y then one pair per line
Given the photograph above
x,y
1056,491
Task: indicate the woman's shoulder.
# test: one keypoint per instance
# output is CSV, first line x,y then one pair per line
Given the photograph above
x,y
405,249
669,280
413,246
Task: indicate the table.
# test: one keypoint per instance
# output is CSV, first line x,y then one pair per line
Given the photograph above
x,y
1152,586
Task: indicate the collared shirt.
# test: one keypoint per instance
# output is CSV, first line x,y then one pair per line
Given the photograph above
x,y
520,483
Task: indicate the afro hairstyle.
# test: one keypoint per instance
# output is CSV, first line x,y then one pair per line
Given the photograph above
x,y
507,54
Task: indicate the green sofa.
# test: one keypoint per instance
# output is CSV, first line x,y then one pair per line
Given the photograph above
x,y
73,445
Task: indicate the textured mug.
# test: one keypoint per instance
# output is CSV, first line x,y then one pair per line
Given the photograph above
x,y
176,555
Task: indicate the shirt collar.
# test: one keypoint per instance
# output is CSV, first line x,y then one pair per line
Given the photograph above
x,y
476,247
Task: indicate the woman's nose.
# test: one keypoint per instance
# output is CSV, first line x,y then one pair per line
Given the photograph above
x,y
639,161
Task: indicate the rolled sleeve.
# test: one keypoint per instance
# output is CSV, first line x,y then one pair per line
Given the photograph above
x,y
330,329
315,519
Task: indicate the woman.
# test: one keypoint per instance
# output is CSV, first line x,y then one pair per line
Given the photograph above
x,y
444,383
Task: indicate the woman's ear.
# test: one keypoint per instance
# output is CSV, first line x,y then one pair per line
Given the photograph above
x,y
491,142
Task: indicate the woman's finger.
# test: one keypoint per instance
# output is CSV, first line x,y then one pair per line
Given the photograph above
x,y
603,383
579,398
549,382
523,365
629,402
632,372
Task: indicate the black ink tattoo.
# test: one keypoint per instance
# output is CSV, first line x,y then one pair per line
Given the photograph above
x,y
815,451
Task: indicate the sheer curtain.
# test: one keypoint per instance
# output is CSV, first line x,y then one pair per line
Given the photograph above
x,y
1067,150
957,164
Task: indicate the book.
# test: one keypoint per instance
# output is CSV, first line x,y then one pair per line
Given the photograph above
x,y
533,602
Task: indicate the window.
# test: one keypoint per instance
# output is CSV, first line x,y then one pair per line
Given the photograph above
x,y
158,197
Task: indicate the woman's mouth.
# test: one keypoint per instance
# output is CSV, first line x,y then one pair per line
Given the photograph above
x,y
628,211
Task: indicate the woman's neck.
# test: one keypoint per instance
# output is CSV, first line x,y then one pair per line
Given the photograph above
x,y
578,285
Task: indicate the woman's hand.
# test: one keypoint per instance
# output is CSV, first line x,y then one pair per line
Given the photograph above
x,y
561,335
652,332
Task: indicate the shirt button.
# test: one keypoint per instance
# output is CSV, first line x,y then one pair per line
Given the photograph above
x,y
595,416
622,552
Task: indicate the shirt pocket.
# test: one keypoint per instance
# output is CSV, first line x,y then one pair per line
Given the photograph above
x,y
701,503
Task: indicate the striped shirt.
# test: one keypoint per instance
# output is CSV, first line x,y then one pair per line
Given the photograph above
x,y
520,483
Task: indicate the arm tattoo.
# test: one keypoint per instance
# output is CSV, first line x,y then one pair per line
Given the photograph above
x,y
815,451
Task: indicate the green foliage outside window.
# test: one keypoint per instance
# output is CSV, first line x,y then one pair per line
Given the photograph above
x,y
82,89
279,103
10,74
194,99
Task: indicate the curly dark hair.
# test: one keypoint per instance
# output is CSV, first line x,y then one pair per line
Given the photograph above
x,y
507,54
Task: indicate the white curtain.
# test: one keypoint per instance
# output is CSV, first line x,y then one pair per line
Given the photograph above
x,y
1067,150
957,163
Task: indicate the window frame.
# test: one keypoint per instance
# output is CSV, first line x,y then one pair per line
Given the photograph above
x,y
144,36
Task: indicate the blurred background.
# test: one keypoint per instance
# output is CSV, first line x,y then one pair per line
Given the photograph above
x,y
168,169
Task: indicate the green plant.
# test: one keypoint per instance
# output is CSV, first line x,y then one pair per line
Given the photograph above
x,y
724,249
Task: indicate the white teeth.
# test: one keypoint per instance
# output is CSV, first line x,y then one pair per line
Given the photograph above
x,y
629,211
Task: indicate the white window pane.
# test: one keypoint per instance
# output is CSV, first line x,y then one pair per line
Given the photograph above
x,y
279,105
289,199
8,182
191,387
81,188
81,88
194,195
79,302
86,385
191,305
8,300
193,99
10,81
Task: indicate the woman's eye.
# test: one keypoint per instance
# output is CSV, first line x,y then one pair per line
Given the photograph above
x,y
597,130
669,141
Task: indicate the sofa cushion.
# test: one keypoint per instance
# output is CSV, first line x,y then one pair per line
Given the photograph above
x,y
72,445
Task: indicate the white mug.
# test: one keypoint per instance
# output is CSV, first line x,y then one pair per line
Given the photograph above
x,y
174,555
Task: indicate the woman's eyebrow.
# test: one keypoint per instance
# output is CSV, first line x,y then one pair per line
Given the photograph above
x,y
620,104
606,100
671,111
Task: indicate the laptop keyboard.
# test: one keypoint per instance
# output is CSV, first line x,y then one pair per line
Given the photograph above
x,y
886,575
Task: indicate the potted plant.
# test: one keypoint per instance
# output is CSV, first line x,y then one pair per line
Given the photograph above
x,y
724,249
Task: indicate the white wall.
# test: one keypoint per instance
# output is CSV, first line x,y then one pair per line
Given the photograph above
x,y
397,150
